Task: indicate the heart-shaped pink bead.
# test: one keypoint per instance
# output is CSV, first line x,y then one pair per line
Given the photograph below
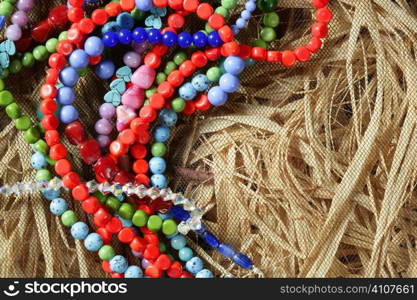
x,y
125,114
144,77
134,97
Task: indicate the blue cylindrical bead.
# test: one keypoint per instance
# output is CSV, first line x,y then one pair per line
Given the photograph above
x,y
243,261
226,250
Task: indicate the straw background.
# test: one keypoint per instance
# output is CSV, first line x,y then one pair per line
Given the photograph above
x,y
311,171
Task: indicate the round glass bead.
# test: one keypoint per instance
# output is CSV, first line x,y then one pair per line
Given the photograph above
x,y
178,242
93,242
159,181
157,165
79,230
105,69
58,206
204,274
79,59
118,264
185,254
133,272
229,83
200,82
187,91
68,76
94,46
217,96
38,161
194,265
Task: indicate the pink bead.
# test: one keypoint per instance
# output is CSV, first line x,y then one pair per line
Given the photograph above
x,y
125,114
20,18
133,97
120,126
13,32
144,77
132,59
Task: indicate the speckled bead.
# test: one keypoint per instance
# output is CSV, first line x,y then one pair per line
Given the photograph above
x,y
204,274
58,206
118,264
93,242
38,161
200,82
194,265
159,181
157,165
79,230
187,91
133,272
51,194
161,133
168,117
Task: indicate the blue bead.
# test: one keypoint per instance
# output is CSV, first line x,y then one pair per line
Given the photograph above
x,y
125,36
185,254
94,46
133,272
145,263
125,20
243,261
139,35
68,114
161,133
65,95
125,222
93,242
110,27
241,23
249,62
204,274
199,39
159,181
234,65
144,5
201,230
217,96
79,230
2,21
250,6
246,14
187,91
51,194
194,265
169,38
185,39
69,76
118,264
178,213
235,29
226,250
58,206
178,242
200,82
157,165
229,83
168,117
79,59
154,36
214,39
171,235
110,39
210,239
38,161
105,69
165,216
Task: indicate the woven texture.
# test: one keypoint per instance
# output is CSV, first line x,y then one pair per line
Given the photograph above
x,y
311,171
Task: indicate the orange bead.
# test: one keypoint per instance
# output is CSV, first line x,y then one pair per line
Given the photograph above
x,y
190,5
226,34
157,101
175,4
127,137
160,3
152,60
71,180
148,113
204,11
140,166
138,125
126,235
138,151
62,167
113,9
202,103
80,192
99,16
165,89
199,59
75,14
230,49
127,5
216,21
314,44
302,54
176,21
324,15
51,137
187,68
117,148
153,272
57,152
320,30
86,26
288,58
175,78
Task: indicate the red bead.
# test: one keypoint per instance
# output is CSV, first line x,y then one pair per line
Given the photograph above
x,y
204,11
90,205
175,270
58,152
320,30
302,54
160,3
64,47
57,61
140,166
117,148
138,151
142,179
71,180
50,122
90,151
151,238
138,125
80,192
216,21
86,26
163,262
143,137
189,108
126,235
51,137
99,16
113,9
186,275
190,5
314,44
75,133
244,51
114,225
58,17
74,35
319,3
127,5
62,167
94,60
153,272
226,33
52,76
324,15
76,3
105,169
41,31
152,60
160,205
230,49
105,266
117,275
165,89
48,106
145,230
102,217
75,14
149,211
48,91
199,59
175,4
138,244
160,49
273,56
202,103
151,252
157,101
187,68
123,178
258,53
288,58
148,113
213,54
105,235
175,78
127,136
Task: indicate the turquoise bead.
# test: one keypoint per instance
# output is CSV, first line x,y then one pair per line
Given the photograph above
x,y
185,254
178,242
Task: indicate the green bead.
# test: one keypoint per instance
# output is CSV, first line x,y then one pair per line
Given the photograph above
x,y
2,85
154,223
62,36
6,9
150,92
100,196
271,19
229,4
11,1
178,104
15,66
43,175
138,15
23,123
179,58
268,34
32,135
213,74
208,28
5,98
106,252
126,211
13,110
50,161
170,67
40,53
158,149
68,218
162,247
221,10
41,146
171,257
260,43
169,227
140,218
113,203
267,5
4,74
51,45
28,60
160,77
82,72
146,103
